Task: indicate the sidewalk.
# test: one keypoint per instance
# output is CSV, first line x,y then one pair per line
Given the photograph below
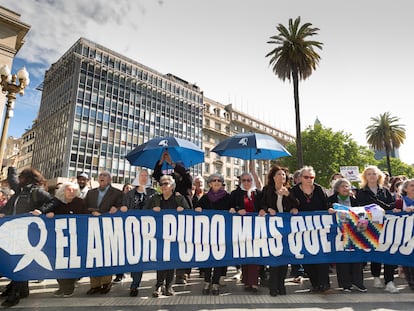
x,y
189,297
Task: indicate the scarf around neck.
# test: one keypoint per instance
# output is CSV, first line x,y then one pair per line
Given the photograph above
x,y
408,201
249,192
215,196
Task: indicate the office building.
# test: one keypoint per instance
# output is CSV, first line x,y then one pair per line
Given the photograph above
x,y
97,105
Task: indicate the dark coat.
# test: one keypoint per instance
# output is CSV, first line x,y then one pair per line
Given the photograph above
x,y
113,197
30,197
195,198
183,180
223,204
173,202
334,199
269,199
383,197
238,195
318,201
77,206
129,198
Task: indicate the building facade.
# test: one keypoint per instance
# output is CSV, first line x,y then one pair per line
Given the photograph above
x,y
11,154
222,121
97,105
27,143
12,34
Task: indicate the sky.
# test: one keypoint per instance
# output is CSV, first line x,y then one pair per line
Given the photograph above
x,y
366,65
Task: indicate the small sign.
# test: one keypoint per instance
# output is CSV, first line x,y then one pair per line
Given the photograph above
x,y
350,172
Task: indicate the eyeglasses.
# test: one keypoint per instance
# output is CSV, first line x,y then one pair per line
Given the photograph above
x,y
309,177
216,180
164,184
246,180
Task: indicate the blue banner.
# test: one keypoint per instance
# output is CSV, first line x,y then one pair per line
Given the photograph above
x,y
71,246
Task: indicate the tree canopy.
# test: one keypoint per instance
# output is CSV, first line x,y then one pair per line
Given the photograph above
x,y
326,150
385,134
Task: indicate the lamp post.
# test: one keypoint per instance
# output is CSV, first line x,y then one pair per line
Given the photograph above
x,y
10,87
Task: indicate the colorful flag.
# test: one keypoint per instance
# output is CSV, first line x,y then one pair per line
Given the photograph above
x,y
361,226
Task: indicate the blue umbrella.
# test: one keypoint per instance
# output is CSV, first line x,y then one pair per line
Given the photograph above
x,y
251,146
180,150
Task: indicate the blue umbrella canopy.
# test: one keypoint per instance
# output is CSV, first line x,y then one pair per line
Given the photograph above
x,y
180,150
251,146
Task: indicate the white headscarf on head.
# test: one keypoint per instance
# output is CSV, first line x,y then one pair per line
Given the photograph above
x,y
252,188
136,181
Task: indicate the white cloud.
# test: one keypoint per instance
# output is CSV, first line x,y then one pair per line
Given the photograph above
x,y
56,25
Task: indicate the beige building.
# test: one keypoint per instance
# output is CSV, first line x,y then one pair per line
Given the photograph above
x,y
222,121
26,150
11,154
12,33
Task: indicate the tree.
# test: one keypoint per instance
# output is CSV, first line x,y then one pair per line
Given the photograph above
x,y
326,151
294,58
398,167
385,134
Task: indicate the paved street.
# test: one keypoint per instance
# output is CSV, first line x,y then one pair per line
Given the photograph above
x,y
189,297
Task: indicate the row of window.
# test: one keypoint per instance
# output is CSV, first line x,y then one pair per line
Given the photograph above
x,y
116,64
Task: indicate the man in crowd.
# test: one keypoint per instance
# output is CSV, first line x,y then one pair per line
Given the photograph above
x,y
83,180
102,200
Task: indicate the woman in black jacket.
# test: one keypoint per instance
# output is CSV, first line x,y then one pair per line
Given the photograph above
x,y
246,199
277,199
136,199
167,199
312,197
216,199
66,201
372,191
29,197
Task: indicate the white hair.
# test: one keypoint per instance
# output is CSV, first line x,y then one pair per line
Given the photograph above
x,y
60,193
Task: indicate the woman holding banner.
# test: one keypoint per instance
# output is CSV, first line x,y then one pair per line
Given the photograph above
x,y
277,199
167,199
312,197
136,200
66,201
216,199
349,274
246,199
406,203
29,197
372,191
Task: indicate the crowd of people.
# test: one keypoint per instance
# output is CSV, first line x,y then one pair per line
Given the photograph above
x,y
282,193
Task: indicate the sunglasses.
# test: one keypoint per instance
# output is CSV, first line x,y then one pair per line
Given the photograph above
x,y
216,180
308,177
165,184
246,180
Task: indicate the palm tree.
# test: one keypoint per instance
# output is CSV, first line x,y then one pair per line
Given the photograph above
x,y
295,58
385,134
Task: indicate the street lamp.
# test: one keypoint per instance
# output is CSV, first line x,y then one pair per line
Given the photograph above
x,y
11,88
